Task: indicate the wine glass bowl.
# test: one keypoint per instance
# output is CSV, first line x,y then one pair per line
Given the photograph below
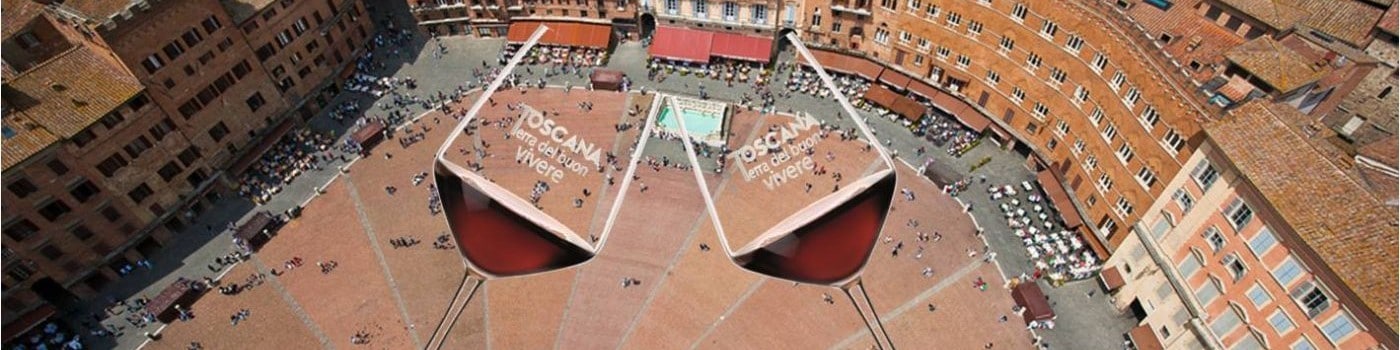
x,y
500,234
830,241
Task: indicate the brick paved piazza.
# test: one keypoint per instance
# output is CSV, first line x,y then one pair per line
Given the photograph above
x,y
687,297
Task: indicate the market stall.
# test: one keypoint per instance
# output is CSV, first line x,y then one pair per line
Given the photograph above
x,y
257,230
606,79
181,292
846,64
680,44
572,43
367,136
741,47
1029,296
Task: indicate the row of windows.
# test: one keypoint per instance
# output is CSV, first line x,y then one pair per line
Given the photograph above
x,y
1308,295
1171,140
175,48
215,88
21,228
758,13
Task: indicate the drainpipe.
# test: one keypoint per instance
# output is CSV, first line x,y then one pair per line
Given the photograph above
x,y
1197,322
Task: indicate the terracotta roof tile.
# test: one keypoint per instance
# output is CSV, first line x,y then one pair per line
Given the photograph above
x,y
28,140
1383,151
1236,89
1275,64
18,14
62,97
1194,37
240,10
98,10
1384,186
1351,231
1390,20
1279,14
1348,20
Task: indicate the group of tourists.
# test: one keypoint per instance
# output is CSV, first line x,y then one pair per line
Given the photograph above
x,y
293,154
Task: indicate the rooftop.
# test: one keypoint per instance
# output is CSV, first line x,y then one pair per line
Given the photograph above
x,y
61,97
1350,230
1277,14
1195,37
1275,64
241,10
18,14
1348,20
1383,151
98,10
1390,20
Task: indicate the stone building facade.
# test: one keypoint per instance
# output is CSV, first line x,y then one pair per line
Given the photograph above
x,y
124,119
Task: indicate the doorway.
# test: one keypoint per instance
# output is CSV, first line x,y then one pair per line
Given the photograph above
x,y
1139,312
648,25
148,247
54,293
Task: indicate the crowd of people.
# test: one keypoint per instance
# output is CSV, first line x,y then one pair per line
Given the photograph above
x,y
1058,254
51,336
727,71
943,131
293,154
805,80
344,110
555,55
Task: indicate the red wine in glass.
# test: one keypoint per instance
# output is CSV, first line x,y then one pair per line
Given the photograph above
x,y
833,247
498,240
498,233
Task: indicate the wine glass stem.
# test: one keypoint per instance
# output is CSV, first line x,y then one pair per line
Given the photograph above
x,y
454,310
872,322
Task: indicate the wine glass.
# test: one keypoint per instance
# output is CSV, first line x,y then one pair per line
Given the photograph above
x,y
829,241
499,234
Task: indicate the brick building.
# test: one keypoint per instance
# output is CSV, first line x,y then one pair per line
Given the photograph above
x,y
492,18
1084,103
1123,88
125,118
758,17
1342,55
1263,242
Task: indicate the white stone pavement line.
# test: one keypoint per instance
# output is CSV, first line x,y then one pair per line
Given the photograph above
x,y
603,183
612,214
753,287
982,236
383,264
627,179
220,276
296,307
914,302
